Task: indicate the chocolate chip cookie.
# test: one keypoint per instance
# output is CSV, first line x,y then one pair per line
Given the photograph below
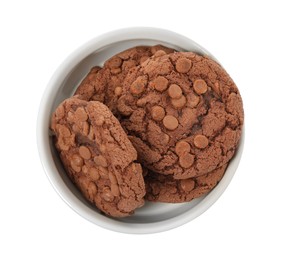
x,y
105,84
162,188
98,156
182,112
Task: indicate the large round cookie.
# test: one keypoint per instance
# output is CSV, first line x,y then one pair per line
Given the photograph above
x,y
183,113
98,156
162,188
105,84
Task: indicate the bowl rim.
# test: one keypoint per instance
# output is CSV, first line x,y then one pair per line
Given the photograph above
x,y
131,33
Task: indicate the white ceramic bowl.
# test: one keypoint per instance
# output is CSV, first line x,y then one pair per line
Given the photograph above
x,y
153,217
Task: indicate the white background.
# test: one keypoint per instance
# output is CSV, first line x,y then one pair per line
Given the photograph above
x,y
245,36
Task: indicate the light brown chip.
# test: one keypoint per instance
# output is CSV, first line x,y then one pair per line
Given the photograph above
x,y
200,141
200,86
115,190
92,190
193,100
76,163
100,161
94,174
85,169
186,160
160,83
84,152
118,91
159,53
85,128
114,62
182,147
60,112
80,115
116,71
170,122
99,120
112,178
77,160
179,103
187,184
63,130
183,65
107,195
157,113
174,91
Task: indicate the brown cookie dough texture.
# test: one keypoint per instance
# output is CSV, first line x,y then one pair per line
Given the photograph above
x,y
98,156
105,84
162,188
182,112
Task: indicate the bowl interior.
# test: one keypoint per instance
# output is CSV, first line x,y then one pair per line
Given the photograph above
x,y
152,217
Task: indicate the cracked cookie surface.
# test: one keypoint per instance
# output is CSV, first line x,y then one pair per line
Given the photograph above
x,y
162,188
98,156
182,112
105,84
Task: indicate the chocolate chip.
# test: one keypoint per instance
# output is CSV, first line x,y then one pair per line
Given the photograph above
x,y
65,143
118,91
200,141
200,86
179,103
183,65
60,112
76,163
91,133
182,147
75,167
175,91
103,172
63,130
170,122
186,160
92,190
77,160
115,190
116,71
80,114
84,152
187,185
216,88
102,148
100,161
70,116
160,83
114,62
85,169
107,195
193,100
159,53
112,178
85,128
157,113
99,120
94,174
